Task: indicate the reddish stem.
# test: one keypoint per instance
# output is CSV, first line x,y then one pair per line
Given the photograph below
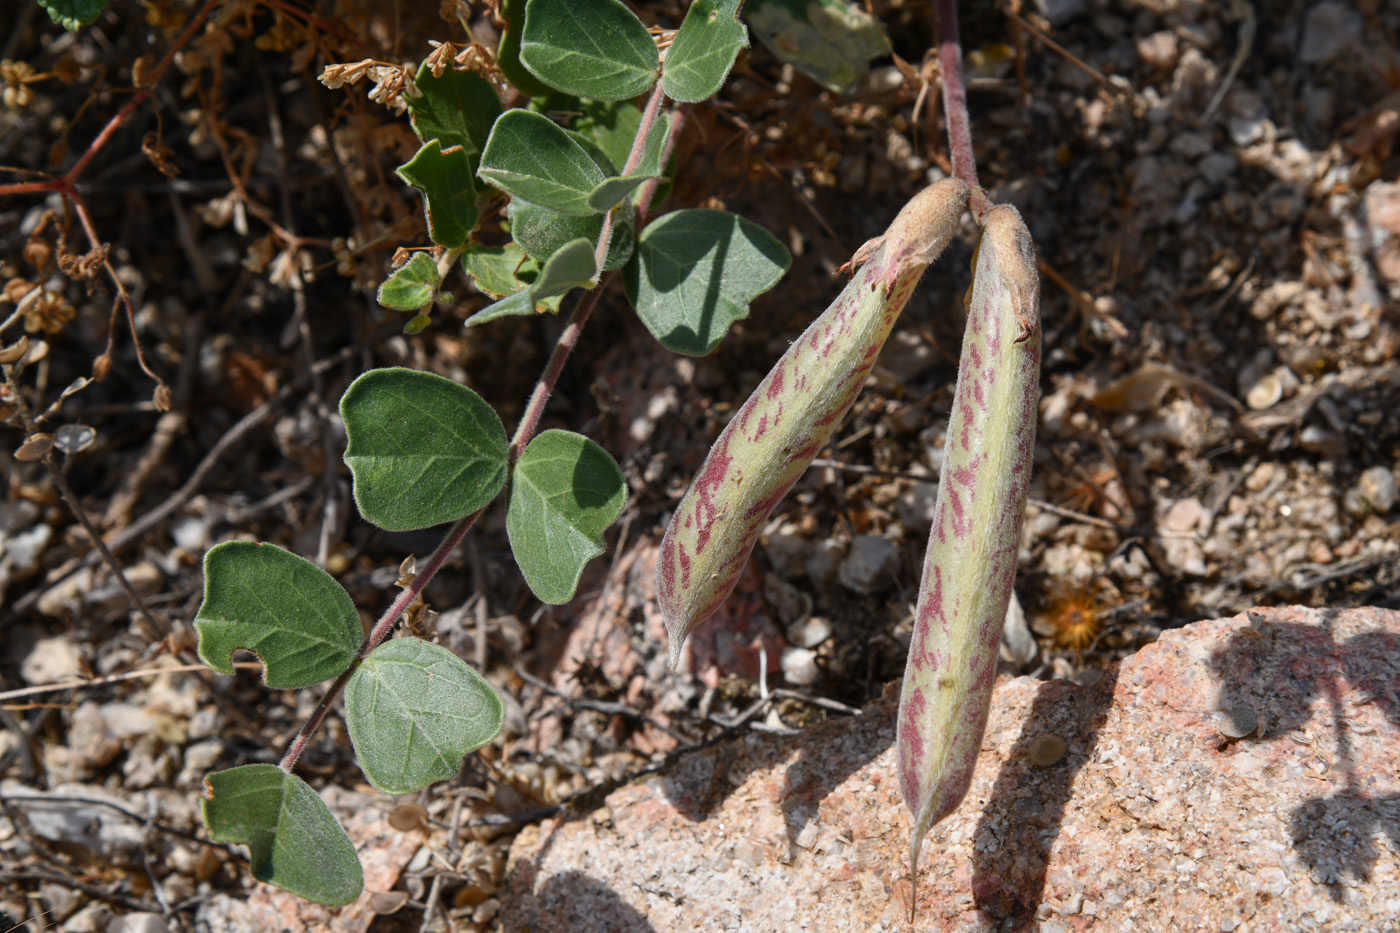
x,y
955,106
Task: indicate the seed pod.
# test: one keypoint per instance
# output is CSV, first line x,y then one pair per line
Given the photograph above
x,y
972,548
770,441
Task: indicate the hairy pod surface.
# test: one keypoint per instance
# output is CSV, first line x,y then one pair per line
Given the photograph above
x,y
771,440
971,559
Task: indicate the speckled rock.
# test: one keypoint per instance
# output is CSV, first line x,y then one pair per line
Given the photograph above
x,y
1152,820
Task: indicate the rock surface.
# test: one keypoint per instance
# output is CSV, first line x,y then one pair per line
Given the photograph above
x,y
1152,820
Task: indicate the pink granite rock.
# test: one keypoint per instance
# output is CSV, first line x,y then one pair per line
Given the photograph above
x,y
1154,819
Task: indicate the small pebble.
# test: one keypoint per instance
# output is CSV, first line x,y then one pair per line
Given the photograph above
x,y
800,666
1236,722
870,564
1045,749
1377,487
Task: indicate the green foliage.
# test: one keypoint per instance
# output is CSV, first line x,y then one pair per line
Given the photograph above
x,y
300,623
543,232
605,196
695,272
410,286
531,158
704,50
508,55
414,709
294,840
456,108
72,14
832,41
596,49
449,196
423,450
565,493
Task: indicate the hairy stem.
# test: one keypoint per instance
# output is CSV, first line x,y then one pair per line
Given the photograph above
x,y
955,106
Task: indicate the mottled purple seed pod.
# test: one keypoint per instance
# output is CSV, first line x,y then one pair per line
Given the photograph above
x,y
771,440
972,548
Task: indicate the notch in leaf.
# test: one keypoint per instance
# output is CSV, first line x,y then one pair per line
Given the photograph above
x,y
422,449
295,842
565,492
589,48
449,193
694,273
300,623
414,710
411,286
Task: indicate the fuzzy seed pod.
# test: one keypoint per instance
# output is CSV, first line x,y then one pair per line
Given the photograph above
x,y
972,548
769,443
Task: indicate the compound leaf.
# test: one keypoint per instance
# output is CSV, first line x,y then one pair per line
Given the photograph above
x,y
528,156
704,50
694,273
414,710
295,842
589,48
300,623
411,286
449,191
565,492
457,109
422,449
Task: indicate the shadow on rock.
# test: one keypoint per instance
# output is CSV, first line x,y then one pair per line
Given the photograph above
x,y
1278,669
1021,819
570,902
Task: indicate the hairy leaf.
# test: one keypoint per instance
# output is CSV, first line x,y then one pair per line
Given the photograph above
x,y
449,191
529,157
423,450
771,440
294,841
589,48
972,548
542,232
695,272
610,192
414,710
410,286
704,50
457,108
565,492
572,266
508,54
300,623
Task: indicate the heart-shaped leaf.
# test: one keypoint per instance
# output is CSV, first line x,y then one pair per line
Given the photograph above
x,y
565,492
529,157
457,109
294,841
300,623
410,286
694,273
589,48
704,50
449,191
414,710
423,450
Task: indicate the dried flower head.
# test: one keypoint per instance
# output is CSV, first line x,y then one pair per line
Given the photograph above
x,y
1072,616
17,77
391,82
49,314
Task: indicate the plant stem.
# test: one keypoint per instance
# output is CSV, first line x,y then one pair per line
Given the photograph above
x,y
634,158
955,106
524,432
